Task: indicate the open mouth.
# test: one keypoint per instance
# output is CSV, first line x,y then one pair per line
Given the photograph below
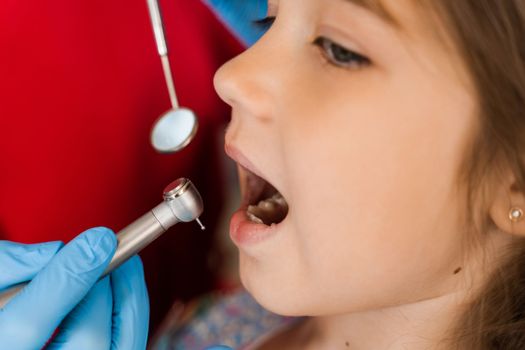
x,y
263,203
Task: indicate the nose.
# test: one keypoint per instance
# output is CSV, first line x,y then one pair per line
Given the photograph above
x,y
245,82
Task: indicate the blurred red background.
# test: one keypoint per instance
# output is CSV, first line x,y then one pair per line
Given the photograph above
x,y
80,87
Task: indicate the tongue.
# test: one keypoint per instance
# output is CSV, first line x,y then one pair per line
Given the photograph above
x,y
269,211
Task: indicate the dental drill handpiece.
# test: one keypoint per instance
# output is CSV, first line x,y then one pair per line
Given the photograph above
x,y
182,202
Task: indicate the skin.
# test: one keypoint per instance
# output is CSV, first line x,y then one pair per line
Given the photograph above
x,y
367,157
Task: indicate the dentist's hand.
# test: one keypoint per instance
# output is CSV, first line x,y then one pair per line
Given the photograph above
x,y
110,314
240,15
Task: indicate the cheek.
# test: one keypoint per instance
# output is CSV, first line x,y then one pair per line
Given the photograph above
x,y
376,154
374,202
369,164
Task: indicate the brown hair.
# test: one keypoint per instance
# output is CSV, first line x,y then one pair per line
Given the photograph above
x,y
490,37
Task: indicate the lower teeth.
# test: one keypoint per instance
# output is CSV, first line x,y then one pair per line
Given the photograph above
x,y
254,218
268,211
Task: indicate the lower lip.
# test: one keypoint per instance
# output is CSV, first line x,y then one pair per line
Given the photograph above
x,y
245,232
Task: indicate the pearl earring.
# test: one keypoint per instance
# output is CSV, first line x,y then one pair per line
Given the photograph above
x,y
515,214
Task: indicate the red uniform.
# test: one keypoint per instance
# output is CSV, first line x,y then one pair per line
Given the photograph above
x,y
80,87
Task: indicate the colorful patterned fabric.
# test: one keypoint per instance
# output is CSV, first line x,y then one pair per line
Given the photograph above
x,y
235,320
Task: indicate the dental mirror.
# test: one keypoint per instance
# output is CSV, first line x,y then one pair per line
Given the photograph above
x,y
176,128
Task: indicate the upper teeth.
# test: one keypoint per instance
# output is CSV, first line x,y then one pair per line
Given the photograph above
x,y
268,209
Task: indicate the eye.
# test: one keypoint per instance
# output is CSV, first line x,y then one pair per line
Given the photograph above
x,y
264,23
340,56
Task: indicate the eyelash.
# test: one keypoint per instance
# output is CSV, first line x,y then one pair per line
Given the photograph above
x,y
264,23
330,50
340,56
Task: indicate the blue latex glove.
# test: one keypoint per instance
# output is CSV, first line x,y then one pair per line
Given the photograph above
x,y
110,314
240,15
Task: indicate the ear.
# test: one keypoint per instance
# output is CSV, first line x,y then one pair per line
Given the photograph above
x,y
507,210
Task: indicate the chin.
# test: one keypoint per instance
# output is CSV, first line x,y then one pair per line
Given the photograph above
x,y
277,297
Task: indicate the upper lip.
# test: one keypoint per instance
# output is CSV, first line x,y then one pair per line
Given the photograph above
x,y
235,154
251,193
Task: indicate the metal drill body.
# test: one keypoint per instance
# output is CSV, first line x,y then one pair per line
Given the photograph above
x,y
182,202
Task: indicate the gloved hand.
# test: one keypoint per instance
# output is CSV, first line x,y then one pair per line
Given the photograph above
x,y
110,314
240,15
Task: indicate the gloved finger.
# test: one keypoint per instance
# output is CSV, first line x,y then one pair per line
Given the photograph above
x,y
21,262
130,306
88,326
30,318
240,16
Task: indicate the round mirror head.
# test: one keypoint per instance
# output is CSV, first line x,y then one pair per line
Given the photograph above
x,y
174,130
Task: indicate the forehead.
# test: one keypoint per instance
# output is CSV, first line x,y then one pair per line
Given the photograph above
x,y
402,14
414,18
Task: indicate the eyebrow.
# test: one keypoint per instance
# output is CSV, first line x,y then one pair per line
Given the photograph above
x,y
376,7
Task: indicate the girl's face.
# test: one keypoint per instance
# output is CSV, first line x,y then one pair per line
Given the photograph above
x,y
361,125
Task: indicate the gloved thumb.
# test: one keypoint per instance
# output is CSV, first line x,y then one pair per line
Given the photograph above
x,y
21,262
30,318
